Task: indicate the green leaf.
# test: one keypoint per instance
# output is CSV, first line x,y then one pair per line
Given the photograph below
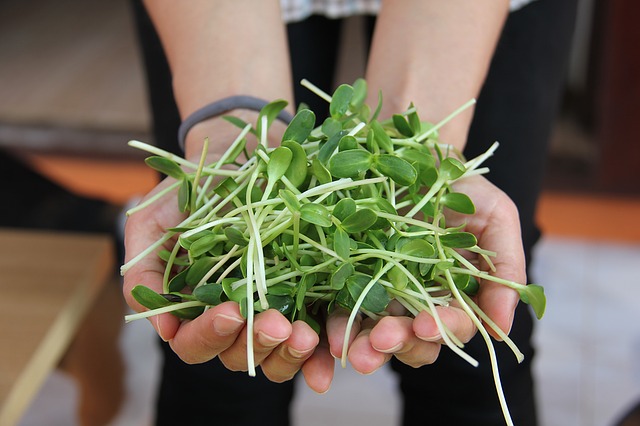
x,y
344,208
290,200
344,299
424,163
398,278
381,137
402,126
466,283
186,242
417,247
340,101
377,297
300,127
359,94
458,202
209,294
178,282
341,243
297,171
148,298
238,122
443,265
331,126
166,254
350,163
459,240
380,204
234,295
279,161
184,195
301,291
414,120
401,171
281,289
451,169
329,147
347,142
271,111
165,166
256,194
226,187
199,269
316,214
533,295
359,221
320,172
340,275
204,244
235,236
376,113
244,307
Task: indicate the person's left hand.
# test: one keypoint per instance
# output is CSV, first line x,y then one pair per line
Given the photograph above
x,y
417,341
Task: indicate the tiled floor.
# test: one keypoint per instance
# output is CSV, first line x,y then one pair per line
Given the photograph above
x,y
588,347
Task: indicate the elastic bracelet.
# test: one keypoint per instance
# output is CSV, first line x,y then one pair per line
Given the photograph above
x,y
218,108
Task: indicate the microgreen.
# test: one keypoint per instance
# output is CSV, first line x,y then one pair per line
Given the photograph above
x,y
350,213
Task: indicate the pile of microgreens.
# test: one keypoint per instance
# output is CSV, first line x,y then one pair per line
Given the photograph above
x,y
349,214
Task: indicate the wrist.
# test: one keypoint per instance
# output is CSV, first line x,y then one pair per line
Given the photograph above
x,y
222,107
221,133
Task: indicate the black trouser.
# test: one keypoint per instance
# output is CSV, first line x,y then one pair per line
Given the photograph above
x,y
517,107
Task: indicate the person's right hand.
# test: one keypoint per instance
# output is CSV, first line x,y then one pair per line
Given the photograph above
x,y
280,347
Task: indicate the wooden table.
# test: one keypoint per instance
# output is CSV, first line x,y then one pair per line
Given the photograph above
x,y
49,283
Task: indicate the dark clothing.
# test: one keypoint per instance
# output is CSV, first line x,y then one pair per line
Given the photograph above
x,y
517,107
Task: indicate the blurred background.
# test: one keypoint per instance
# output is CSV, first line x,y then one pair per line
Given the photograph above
x,y
72,93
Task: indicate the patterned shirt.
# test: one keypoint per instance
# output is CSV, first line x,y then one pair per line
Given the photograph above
x,y
297,10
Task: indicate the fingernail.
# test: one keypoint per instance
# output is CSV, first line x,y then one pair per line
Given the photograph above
x,y
269,341
390,350
435,338
159,329
225,325
299,354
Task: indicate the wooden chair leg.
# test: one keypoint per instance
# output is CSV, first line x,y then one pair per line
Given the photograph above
x,y
95,361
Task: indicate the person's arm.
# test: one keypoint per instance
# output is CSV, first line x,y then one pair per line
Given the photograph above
x,y
218,49
222,48
436,54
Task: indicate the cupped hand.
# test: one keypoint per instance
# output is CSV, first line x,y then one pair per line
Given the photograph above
x,y
417,341
280,347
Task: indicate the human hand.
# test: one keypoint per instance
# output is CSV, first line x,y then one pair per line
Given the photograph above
x,y
417,341
280,347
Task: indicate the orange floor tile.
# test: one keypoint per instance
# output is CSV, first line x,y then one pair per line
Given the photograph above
x,y
600,217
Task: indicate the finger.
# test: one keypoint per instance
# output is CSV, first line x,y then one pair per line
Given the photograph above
x,y
143,229
205,337
270,329
336,330
454,319
319,368
497,225
284,362
499,303
362,355
394,335
502,236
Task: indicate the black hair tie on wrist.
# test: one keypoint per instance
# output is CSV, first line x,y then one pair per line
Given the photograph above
x,y
221,106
